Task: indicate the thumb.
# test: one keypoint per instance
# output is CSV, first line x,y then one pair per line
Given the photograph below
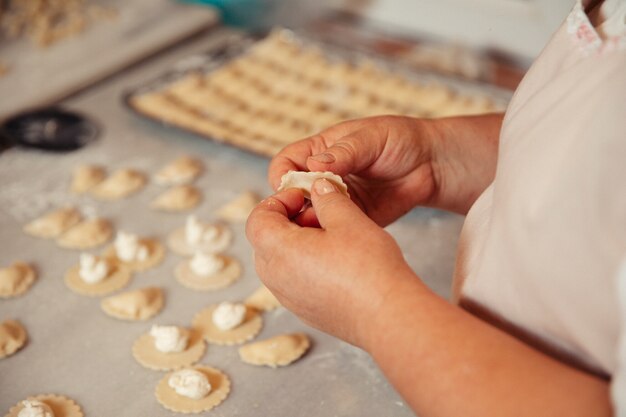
x,y
332,208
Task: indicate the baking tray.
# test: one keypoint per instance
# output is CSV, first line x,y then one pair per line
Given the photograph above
x,y
213,59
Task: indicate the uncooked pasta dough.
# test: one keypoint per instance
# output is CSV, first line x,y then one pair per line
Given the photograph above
x,y
137,254
12,337
85,177
182,170
53,224
304,181
16,279
247,330
276,351
139,304
208,272
178,198
238,209
262,299
86,234
168,397
121,184
59,405
159,349
95,276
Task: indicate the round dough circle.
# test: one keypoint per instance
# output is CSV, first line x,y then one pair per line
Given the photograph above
x,y
221,279
16,279
177,242
276,351
61,406
156,253
118,278
150,357
12,337
220,388
247,330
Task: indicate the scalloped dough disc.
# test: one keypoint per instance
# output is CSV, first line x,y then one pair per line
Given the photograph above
x,y
54,223
156,254
230,273
177,242
86,234
61,406
117,278
182,170
145,352
304,181
178,198
247,330
121,184
140,304
238,209
16,279
220,388
12,337
276,351
85,177
262,299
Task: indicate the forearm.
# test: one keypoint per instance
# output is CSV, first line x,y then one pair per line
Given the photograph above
x,y
465,152
446,362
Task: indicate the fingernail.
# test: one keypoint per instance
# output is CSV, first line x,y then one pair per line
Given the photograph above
x,y
325,158
323,186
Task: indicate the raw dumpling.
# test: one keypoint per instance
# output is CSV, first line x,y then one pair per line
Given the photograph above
x,y
182,170
16,279
54,223
219,389
12,337
304,181
276,351
120,184
238,210
134,305
179,198
262,299
61,406
85,177
87,234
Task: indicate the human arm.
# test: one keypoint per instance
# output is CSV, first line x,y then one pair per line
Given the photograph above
x,y
349,279
443,163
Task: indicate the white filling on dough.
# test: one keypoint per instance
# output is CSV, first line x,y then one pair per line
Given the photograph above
x,y
92,269
190,383
34,408
128,247
204,264
227,315
169,339
196,231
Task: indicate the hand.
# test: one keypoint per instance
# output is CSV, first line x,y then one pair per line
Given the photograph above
x,y
334,278
386,162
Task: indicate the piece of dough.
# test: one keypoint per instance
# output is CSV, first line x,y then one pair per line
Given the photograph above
x,y
122,183
238,209
262,299
12,337
150,357
178,198
156,254
304,181
16,279
54,223
177,242
85,177
220,387
61,406
117,278
86,234
251,326
182,170
276,351
221,279
140,304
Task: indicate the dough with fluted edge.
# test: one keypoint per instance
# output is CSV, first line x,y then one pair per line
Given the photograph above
x,y
276,351
220,388
247,330
145,352
61,406
140,304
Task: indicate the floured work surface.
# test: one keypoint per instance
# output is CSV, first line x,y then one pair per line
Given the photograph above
x,y
75,350
261,96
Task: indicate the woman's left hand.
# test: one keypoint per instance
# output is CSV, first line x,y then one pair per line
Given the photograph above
x,y
335,277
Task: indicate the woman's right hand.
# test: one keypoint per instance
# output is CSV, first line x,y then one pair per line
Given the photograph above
x,y
394,163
